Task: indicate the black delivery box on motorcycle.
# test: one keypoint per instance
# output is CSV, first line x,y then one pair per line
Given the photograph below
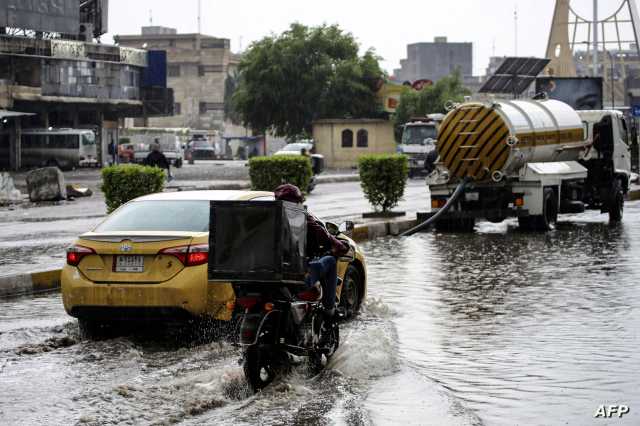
x,y
257,242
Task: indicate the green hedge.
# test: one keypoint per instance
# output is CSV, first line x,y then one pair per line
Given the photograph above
x,y
383,178
267,173
125,182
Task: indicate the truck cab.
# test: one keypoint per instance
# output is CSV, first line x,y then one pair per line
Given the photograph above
x,y
418,143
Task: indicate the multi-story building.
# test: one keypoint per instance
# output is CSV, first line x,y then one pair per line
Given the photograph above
x,y
435,60
53,76
197,66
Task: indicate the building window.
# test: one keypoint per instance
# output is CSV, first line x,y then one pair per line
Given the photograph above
x,y
362,138
177,109
206,107
347,138
173,70
203,69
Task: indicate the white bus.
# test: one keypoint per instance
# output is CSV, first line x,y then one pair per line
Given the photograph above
x,y
63,148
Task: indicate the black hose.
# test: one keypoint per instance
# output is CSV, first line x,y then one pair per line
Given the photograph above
x,y
456,194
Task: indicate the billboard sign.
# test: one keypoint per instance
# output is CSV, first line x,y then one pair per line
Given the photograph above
x,y
582,93
57,16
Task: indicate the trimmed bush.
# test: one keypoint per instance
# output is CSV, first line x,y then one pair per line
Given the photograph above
x,y
125,182
383,178
267,173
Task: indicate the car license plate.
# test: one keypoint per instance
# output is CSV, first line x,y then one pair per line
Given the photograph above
x,y
129,263
471,196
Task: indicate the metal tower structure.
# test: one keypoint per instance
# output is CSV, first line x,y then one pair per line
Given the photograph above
x,y
606,46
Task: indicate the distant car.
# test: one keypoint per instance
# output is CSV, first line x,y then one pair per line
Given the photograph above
x,y
201,149
295,148
317,160
148,261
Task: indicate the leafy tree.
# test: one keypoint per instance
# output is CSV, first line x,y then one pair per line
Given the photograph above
x,y
429,100
230,86
290,80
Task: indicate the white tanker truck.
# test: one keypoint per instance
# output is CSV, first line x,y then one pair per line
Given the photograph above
x,y
529,159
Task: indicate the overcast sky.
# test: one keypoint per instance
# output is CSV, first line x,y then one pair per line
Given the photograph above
x,y
386,26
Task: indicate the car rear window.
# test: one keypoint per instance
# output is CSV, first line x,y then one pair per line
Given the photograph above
x,y
159,215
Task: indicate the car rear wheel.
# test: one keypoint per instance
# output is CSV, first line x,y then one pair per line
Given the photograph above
x,y
350,293
91,329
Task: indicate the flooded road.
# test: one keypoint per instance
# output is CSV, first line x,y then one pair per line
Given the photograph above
x,y
497,327
34,239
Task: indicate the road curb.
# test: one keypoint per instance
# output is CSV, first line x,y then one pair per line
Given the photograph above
x,y
39,282
373,230
33,283
338,179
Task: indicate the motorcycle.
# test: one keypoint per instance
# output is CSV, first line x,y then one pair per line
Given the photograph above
x,y
279,322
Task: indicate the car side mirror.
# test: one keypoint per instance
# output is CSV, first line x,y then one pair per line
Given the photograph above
x,y
347,228
332,228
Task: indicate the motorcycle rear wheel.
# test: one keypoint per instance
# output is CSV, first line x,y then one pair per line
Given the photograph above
x,y
260,367
329,343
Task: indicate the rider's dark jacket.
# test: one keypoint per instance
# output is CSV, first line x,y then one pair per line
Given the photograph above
x,y
320,242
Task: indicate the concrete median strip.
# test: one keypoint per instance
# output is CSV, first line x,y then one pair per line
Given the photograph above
x,y
40,282
32,283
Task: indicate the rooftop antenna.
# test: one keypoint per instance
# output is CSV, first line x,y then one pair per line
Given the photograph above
x,y
150,17
199,17
240,51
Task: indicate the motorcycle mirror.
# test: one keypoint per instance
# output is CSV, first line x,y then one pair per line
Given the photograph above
x,y
332,228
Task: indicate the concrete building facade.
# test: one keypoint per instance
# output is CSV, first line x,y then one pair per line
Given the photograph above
x,y
56,83
343,141
435,60
197,66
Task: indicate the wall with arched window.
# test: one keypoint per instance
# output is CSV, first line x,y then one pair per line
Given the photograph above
x,y
347,138
343,141
362,139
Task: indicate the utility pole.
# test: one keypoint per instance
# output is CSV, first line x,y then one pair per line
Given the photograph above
x,y
199,17
515,28
595,38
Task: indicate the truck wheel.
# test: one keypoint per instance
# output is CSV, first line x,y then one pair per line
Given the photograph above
x,y
547,220
616,205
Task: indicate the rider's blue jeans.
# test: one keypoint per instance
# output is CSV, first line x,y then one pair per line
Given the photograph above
x,y
325,271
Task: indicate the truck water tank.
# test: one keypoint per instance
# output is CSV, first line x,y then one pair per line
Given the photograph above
x,y
484,140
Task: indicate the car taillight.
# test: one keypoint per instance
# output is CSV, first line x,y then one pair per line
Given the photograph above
x,y
76,253
197,254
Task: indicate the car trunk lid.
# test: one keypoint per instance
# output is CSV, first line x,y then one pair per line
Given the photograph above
x,y
132,257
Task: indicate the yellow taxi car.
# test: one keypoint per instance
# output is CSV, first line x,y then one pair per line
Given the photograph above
x,y
148,260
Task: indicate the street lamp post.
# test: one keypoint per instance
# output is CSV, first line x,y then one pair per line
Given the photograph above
x,y
613,93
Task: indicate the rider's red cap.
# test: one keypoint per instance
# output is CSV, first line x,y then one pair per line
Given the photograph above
x,y
288,192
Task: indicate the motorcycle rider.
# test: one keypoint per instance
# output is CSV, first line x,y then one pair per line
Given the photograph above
x,y
323,266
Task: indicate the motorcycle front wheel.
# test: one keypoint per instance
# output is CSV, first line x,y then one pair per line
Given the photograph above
x,y
260,367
